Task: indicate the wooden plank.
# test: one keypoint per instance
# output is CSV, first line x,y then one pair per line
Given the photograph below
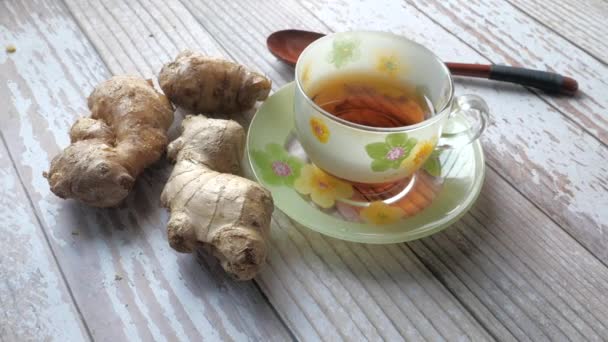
x,y
127,281
551,160
35,304
165,29
519,282
527,271
511,37
581,22
383,297
316,302
575,204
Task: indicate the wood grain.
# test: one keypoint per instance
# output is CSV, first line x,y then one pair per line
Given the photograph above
x,y
505,271
581,22
140,36
575,185
550,159
386,298
528,272
35,303
126,280
511,37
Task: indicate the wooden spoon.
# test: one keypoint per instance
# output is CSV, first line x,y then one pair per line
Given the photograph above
x,y
287,45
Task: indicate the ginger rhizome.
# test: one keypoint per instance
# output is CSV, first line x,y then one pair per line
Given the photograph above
x,y
126,132
210,205
202,84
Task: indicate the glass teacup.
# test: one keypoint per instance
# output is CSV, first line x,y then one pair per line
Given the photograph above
x,y
377,156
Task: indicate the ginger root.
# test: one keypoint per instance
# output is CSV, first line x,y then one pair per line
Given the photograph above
x,y
202,84
210,205
125,133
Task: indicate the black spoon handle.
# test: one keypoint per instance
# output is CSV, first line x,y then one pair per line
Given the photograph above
x,y
548,81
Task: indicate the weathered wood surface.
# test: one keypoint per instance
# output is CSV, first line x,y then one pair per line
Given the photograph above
x,y
531,275
35,303
247,46
126,280
582,22
503,34
505,271
515,38
316,309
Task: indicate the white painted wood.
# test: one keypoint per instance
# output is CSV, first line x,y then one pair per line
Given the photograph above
x,y
35,304
506,268
550,159
129,284
138,37
503,34
522,266
579,182
582,22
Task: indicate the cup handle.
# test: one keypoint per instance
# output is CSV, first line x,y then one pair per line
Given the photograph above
x,y
466,122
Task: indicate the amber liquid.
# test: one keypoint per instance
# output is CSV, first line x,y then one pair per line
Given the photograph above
x,y
371,100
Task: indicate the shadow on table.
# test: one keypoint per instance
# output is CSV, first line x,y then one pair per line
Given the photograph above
x,y
506,88
123,253
313,257
501,87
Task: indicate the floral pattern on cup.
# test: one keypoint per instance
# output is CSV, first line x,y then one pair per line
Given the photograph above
x,y
388,64
343,51
420,153
381,213
324,189
276,166
390,153
319,130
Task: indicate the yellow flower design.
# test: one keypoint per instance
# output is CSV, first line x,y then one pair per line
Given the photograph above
x,y
381,213
323,189
418,156
423,152
388,64
319,129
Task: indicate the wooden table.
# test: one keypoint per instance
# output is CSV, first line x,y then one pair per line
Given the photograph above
x,y
528,262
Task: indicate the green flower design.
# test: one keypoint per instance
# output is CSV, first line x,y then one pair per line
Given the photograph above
x,y
432,165
276,166
391,153
343,51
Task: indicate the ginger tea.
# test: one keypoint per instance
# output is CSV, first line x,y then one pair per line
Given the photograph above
x,y
371,100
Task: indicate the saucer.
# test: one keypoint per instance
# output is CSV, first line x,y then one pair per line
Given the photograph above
x,y
432,199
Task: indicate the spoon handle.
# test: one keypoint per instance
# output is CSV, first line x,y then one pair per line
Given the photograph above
x,y
548,81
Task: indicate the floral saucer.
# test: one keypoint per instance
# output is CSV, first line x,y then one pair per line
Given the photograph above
x,y
435,197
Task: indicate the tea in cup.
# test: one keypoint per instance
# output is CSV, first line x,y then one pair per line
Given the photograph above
x,y
371,107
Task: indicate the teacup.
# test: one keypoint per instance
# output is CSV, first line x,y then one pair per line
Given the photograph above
x,y
375,155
